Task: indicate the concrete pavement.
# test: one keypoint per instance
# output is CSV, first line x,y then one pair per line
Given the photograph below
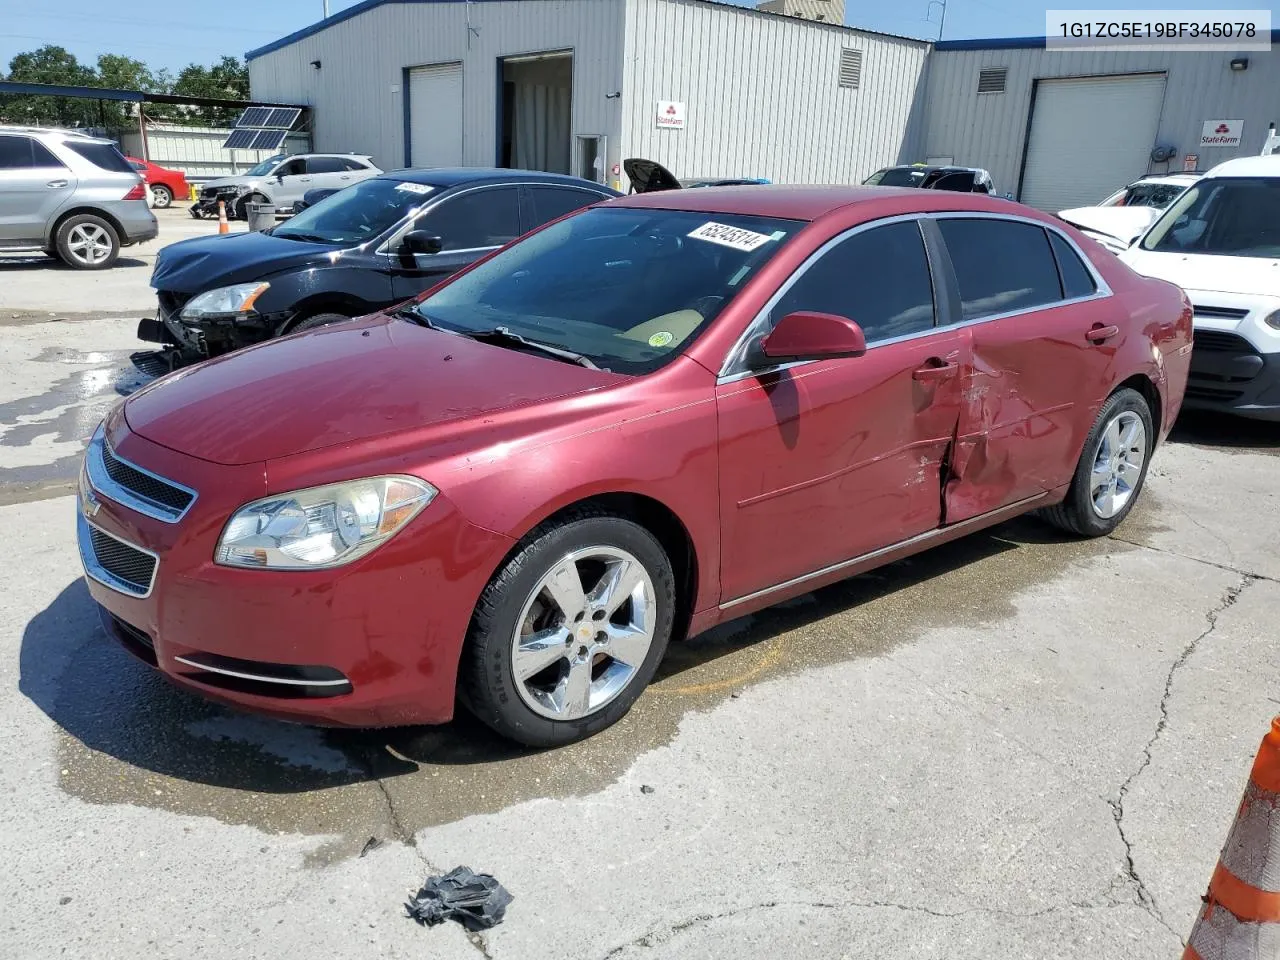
x,y
1017,745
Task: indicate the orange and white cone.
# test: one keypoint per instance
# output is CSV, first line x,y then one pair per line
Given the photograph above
x,y
224,226
1241,915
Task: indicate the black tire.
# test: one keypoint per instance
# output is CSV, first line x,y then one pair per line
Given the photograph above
x,y
163,196
319,320
72,245
1076,514
241,209
487,684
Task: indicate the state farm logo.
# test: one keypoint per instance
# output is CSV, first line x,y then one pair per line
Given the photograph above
x,y
670,114
1222,128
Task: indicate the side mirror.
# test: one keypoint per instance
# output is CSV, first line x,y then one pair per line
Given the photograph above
x,y
418,241
813,336
280,177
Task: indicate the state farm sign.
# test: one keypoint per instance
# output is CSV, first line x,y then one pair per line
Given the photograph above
x,y
1221,133
670,115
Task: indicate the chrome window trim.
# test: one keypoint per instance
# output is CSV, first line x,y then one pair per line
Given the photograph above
x,y
398,232
95,571
259,678
732,370
102,483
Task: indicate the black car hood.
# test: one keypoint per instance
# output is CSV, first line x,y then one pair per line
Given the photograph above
x,y
649,176
203,263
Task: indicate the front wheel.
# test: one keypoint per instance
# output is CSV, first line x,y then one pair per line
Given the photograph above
x,y
1111,470
570,631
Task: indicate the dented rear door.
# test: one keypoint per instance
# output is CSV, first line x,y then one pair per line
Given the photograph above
x,y
1038,371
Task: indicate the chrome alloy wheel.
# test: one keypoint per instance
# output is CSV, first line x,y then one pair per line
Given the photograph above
x,y
584,633
89,243
1117,467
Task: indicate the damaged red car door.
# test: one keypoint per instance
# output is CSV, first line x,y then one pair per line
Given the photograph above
x,y
827,460
1044,334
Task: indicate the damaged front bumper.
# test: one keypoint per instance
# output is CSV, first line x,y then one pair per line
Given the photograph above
x,y
185,341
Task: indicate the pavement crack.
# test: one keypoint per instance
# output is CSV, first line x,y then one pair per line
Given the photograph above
x,y
1251,574
1145,898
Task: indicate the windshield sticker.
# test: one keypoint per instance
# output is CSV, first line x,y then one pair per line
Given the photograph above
x,y
660,339
414,187
727,236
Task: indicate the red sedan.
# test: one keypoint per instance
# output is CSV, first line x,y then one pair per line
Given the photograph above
x,y
165,184
647,418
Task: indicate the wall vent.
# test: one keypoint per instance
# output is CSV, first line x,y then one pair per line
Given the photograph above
x,y
991,80
851,69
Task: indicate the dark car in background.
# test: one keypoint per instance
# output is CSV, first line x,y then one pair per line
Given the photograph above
x,y
928,177
373,244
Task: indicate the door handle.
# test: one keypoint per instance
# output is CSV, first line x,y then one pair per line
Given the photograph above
x,y
304,179
55,184
934,371
1099,333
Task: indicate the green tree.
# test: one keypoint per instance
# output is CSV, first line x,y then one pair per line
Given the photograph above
x,y
122,73
49,64
228,79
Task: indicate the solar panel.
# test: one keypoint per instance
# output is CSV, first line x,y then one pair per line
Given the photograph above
x,y
268,139
254,117
240,140
282,118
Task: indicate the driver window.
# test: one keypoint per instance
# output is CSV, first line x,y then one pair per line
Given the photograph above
x,y
292,168
475,220
878,278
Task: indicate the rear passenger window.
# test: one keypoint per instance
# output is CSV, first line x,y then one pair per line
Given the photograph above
x,y
348,164
23,153
878,278
1002,265
1077,281
552,202
325,165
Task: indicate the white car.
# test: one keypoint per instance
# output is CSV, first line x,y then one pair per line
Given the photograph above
x,y
1220,242
1124,216
282,181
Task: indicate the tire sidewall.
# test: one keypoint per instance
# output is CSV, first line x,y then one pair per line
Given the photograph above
x,y
317,321
1080,497
506,596
63,235
163,196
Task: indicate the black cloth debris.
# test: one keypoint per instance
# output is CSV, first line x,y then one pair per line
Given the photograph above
x,y
475,900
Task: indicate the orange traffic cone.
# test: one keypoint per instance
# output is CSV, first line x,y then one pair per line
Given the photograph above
x,y
223,225
1241,915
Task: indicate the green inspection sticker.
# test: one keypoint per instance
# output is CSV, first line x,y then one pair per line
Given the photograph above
x,y
660,339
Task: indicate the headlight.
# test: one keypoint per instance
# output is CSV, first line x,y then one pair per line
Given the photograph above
x,y
1273,320
322,526
237,299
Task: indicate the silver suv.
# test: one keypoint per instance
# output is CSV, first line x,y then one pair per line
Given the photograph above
x,y
281,181
73,196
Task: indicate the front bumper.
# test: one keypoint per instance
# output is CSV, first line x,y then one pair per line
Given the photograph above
x,y
188,341
1229,375
373,644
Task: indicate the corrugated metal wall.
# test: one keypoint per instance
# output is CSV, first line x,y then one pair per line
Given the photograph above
x,y
358,92
762,95
989,130
197,151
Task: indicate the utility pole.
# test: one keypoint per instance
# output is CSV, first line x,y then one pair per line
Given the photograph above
x,y
326,9
943,24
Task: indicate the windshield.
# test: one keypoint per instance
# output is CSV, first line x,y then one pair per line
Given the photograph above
x,y
1233,217
1151,195
263,168
627,288
356,214
897,177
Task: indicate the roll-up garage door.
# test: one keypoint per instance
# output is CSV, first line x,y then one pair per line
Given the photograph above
x,y
435,116
1089,137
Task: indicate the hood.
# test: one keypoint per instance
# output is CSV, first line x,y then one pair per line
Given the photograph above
x,y
240,181
649,176
1247,276
1122,223
203,263
343,384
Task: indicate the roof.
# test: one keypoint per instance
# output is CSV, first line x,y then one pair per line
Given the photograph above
x,y
1016,43
1247,167
445,177
812,202
366,5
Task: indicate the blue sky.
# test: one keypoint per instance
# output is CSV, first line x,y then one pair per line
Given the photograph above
x,y
173,33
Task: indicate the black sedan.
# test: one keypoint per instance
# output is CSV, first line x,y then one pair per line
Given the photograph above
x,y
374,244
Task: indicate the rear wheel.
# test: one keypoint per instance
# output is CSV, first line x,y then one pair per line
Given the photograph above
x,y
87,242
162,196
1111,470
569,633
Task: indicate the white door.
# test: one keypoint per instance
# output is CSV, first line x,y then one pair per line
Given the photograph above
x,y
1089,137
435,116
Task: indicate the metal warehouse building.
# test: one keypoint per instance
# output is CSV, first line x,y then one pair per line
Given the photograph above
x,y
711,89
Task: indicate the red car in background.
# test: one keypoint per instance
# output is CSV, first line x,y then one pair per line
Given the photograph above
x,y
165,184
647,418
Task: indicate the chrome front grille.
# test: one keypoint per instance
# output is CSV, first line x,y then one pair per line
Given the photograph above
x,y
133,486
114,562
